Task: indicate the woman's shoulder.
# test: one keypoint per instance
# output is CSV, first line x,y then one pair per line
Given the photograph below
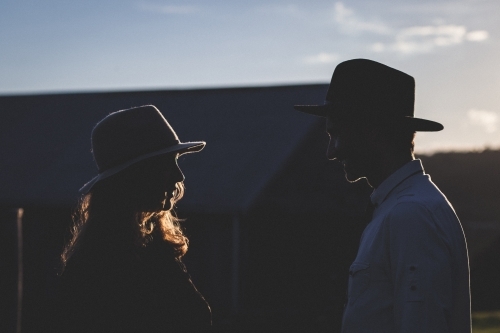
x,y
170,291
158,259
148,282
103,265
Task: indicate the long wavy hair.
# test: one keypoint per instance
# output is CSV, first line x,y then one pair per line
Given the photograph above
x,y
111,212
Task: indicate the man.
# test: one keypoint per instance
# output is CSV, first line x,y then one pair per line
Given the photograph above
x,y
411,273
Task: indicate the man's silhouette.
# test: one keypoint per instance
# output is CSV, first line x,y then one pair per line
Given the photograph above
x,y
411,273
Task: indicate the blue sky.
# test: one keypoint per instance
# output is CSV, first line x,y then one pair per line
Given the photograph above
x,y
452,48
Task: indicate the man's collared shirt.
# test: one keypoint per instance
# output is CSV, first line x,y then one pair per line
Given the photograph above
x,y
411,273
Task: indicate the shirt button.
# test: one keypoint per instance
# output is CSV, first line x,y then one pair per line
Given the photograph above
x,y
413,288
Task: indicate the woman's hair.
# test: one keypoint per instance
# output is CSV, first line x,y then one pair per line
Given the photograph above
x,y
111,212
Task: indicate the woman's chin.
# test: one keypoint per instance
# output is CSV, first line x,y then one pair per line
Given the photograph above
x,y
158,208
167,205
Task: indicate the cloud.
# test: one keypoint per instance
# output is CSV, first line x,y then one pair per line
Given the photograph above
x,y
477,36
169,9
322,58
424,39
378,47
349,22
487,119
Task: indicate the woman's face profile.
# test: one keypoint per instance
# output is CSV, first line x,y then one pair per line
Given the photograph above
x,y
158,178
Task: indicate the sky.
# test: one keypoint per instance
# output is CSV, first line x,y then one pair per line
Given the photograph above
x,y
452,48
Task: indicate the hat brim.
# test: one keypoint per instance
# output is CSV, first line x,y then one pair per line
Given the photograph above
x,y
422,125
180,148
416,124
316,110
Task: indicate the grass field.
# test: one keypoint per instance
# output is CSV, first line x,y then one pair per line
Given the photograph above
x,y
486,322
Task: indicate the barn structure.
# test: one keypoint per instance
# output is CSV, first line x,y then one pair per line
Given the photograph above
x,y
273,225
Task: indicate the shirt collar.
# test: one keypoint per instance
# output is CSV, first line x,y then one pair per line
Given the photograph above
x,y
383,190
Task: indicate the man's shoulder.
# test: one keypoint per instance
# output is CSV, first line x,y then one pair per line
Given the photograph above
x,y
420,200
420,191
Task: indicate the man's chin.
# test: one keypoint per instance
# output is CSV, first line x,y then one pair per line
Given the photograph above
x,y
352,176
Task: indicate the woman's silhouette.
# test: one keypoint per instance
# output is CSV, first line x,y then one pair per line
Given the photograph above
x,y
122,269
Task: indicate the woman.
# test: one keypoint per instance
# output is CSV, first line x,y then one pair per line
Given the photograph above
x,y
122,269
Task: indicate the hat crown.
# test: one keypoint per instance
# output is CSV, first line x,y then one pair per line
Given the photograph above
x,y
127,134
363,90
362,87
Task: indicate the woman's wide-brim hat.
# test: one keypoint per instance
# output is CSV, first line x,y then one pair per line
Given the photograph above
x,y
126,137
363,90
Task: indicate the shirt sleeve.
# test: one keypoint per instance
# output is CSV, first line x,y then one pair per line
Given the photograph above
x,y
420,266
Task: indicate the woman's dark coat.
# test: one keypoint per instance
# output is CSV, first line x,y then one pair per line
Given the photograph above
x,y
125,289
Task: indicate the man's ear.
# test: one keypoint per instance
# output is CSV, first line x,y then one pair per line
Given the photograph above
x,y
376,138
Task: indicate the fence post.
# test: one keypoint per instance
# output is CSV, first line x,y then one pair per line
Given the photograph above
x,y
20,213
235,261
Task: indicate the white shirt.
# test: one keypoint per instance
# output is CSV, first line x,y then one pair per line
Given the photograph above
x,y
411,273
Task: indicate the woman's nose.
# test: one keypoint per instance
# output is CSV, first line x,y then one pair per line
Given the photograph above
x,y
179,175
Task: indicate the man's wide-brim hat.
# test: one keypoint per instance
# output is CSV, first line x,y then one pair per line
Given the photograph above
x,y
363,90
126,137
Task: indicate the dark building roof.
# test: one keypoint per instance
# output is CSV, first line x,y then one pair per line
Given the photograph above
x,y
250,133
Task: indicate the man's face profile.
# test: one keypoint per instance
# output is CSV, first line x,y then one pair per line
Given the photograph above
x,y
349,145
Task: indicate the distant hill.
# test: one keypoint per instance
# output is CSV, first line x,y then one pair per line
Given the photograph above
x,y
470,180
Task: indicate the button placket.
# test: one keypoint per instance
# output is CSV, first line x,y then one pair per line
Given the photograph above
x,y
414,292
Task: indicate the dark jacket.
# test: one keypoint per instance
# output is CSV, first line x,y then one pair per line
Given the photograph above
x,y
125,289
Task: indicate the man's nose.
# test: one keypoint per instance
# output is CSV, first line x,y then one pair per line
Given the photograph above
x,y
332,150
